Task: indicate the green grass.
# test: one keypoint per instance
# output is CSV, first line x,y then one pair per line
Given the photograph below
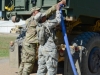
x,y
4,44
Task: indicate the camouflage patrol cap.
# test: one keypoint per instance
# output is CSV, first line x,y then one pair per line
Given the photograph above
x,y
39,16
34,9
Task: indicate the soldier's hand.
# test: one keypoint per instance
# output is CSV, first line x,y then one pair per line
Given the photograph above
x,y
11,43
15,19
57,7
62,2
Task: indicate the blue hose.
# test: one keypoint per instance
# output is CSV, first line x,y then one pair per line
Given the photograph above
x,y
67,44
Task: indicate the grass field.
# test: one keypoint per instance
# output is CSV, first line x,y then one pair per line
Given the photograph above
x,y
4,44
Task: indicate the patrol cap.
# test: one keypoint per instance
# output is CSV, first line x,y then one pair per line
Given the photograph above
x,y
38,16
34,9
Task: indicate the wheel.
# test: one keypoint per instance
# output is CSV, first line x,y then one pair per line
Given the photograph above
x,y
90,64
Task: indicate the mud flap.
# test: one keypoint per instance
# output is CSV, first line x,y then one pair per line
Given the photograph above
x,y
67,65
14,56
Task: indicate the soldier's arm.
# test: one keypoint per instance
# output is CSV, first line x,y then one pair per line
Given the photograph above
x,y
27,21
50,11
53,23
53,8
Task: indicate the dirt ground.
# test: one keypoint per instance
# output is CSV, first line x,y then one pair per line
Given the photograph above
x,y
5,69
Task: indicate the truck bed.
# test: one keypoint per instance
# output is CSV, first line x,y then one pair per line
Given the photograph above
x,y
89,8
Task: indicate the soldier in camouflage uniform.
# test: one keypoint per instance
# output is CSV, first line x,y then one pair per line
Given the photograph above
x,y
47,52
29,45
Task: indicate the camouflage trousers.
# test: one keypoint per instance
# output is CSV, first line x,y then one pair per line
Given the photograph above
x,y
27,59
47,59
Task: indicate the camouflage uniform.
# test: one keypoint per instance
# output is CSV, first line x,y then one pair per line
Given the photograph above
x,y
29,48
47,52
29,45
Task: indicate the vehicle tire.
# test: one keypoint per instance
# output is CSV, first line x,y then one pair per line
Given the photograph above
x,y
90,64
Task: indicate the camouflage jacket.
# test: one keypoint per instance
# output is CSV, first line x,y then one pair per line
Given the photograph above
x,y
31,34
46,31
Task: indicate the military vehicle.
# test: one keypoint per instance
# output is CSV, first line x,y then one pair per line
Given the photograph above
x,y
82,19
